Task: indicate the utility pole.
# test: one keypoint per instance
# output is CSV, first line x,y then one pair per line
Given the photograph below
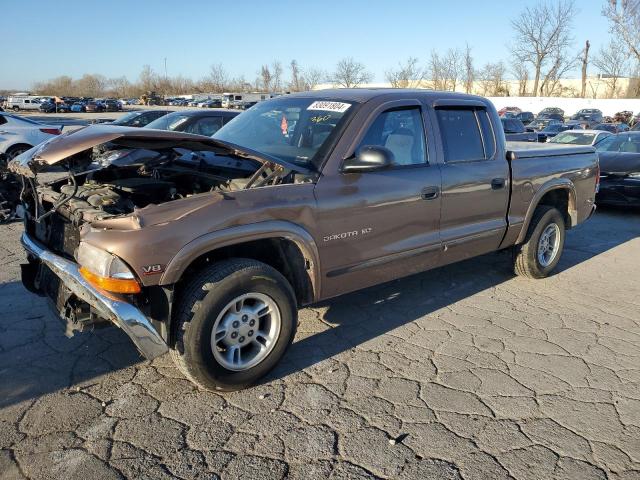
x,y
585,62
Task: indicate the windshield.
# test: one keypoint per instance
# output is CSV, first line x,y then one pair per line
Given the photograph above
x,y
574,138
168,122
124,120
295,130
623,142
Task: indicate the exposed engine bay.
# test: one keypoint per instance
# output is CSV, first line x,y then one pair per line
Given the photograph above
x,y
113,181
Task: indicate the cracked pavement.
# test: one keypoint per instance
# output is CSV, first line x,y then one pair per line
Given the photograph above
x,y
465,372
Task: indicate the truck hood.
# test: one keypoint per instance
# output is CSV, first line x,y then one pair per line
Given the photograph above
x,y
64,146
621,163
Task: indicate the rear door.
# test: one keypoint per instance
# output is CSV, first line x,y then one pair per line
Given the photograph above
x,y
475,181
381,225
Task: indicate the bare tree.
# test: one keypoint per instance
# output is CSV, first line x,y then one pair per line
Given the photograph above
x,y
452,63
312,77
91,85
436,71
350,74
561,64
613,62
469,70
266,78
624,16
542,36
276,72
491,78
217,79
296,82
148,79
585,64
407,75
521,74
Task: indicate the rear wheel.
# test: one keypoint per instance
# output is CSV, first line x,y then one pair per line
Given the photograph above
x,y
233,323
16,108
543,245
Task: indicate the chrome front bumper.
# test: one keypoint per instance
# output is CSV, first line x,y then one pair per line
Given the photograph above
x,y
123,314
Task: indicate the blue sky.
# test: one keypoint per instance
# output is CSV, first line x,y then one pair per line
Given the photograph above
x,y
117,37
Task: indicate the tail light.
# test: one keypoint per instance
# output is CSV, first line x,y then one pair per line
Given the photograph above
x,y
51,131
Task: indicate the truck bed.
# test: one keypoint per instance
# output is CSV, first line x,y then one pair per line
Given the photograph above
x,y
534,150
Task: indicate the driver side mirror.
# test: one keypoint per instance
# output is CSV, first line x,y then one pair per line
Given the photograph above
x,y
368,159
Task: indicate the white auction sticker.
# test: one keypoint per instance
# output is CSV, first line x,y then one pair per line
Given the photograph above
x,y
339,107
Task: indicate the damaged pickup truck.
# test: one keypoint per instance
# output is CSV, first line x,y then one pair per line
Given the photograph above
x,y
206,247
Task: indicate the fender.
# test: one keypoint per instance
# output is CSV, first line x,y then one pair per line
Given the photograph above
x,y
246,233
555,184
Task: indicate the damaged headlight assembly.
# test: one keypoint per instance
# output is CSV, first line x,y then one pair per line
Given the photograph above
x,y
105,270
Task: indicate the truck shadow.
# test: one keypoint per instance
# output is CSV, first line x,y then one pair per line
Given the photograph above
x,y
36,358
365,316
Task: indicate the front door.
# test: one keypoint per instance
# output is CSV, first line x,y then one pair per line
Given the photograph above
x,y
380,225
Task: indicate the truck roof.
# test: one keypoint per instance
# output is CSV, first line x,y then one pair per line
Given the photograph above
x,y
362,95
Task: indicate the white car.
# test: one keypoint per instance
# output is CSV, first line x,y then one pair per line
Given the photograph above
x,y
18,134
580,137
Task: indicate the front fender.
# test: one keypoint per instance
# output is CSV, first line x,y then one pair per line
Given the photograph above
x,y
555,184
241,234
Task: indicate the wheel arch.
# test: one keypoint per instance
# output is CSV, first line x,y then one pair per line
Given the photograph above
x,y
559,193
287,247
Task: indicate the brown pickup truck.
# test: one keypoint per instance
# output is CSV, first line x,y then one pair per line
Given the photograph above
x,y
206,247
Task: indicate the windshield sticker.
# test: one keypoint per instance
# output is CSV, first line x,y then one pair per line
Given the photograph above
x,y
320,118
339,107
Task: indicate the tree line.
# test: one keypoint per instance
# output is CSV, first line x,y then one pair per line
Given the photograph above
x,y
542,53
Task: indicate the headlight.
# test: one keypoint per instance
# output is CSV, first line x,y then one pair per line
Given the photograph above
x,y
106,271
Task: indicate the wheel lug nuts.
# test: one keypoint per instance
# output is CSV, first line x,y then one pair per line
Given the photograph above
x,y
241,339
245,318
236,324
252,323
234,334
250,333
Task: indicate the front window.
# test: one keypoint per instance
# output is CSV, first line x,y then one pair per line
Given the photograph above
x,y
295,130
574,138
126,118
620,143
173,121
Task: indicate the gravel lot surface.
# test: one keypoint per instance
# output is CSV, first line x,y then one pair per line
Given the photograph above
x,y
463,372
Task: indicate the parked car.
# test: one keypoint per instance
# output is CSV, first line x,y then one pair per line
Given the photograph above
x,y
194,121
551,111
511,110
612,127
553,116
620,169
626,117
212,104
592,116
94,107
211,256
139,118
551,131
19,134
526,117
514,130
19,102
79,107
580,137
111,105
541,123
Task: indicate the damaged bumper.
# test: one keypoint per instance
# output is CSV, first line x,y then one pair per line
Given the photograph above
x,y
123,314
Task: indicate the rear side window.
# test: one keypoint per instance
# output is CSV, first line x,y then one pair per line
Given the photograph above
x,y
402,132
462,133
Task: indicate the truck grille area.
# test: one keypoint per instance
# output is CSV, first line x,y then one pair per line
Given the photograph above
x,y
56,233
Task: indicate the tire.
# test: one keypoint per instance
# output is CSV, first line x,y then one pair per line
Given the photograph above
x,y
527,260
16,150
16,108
205,302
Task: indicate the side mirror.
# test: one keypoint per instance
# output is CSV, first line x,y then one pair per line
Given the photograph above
x,y
369,158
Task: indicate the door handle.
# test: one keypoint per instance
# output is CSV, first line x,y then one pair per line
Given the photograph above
x,y
429,193
497,183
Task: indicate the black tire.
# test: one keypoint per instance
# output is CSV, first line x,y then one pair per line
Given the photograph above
x,y
16,150
526,262
16,108
200,303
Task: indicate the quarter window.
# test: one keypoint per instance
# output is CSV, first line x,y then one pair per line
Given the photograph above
x,y
402,132
463,131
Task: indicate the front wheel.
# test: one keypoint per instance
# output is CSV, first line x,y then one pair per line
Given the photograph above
x,y
233,323
543,245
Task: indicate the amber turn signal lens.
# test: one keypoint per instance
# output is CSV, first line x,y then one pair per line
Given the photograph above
x,y
116,285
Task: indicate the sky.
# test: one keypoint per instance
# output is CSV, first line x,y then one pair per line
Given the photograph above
x,y
117,37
